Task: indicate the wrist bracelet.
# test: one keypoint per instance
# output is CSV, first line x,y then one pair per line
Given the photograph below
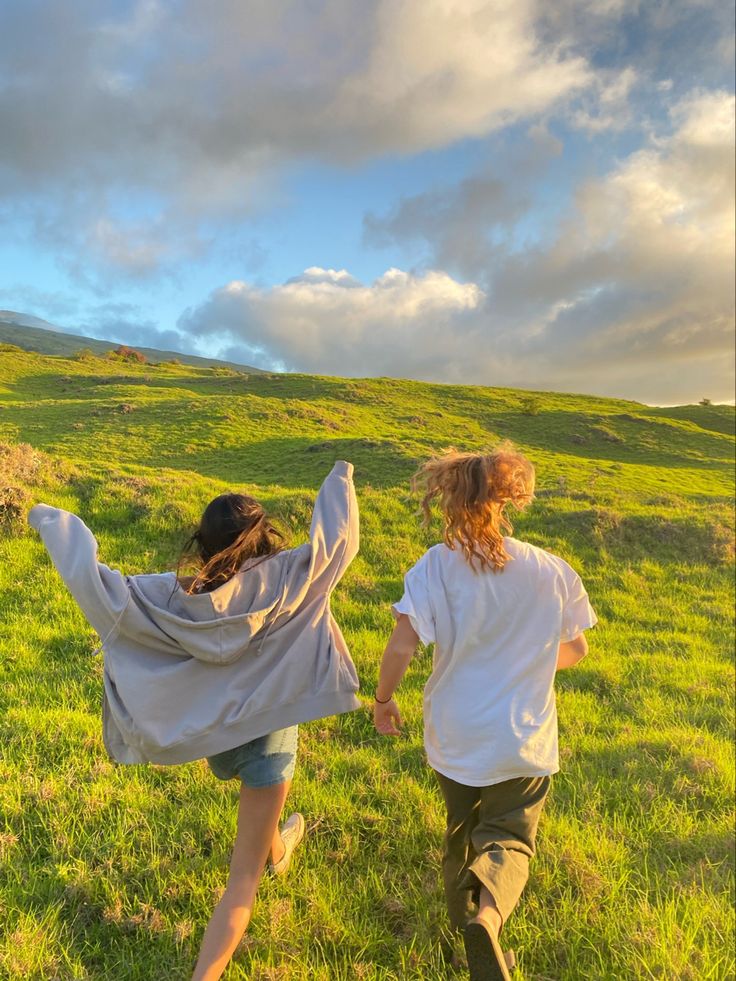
x,y
377,699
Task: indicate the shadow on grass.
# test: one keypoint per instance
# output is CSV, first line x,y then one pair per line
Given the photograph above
x,y
616,438
606,533
299,462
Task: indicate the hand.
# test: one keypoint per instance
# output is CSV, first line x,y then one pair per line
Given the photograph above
x,y
387,718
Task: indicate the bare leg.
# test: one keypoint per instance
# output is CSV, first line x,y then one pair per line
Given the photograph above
x,y
258,820
277,845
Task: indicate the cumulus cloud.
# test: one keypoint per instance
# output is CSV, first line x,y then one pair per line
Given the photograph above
x,y
641,269
632,295
325,321
232,82
440,72
189,112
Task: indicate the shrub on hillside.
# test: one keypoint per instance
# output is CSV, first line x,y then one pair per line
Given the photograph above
x,y
84,354
531,405
125,353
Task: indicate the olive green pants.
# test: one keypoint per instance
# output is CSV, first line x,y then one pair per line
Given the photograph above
x,y
489,840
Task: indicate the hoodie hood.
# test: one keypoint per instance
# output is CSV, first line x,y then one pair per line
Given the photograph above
x,y
217,627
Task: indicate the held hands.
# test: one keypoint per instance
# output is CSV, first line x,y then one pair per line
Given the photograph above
x,y
387,718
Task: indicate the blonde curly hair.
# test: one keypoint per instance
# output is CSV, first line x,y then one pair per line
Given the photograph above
x,y
472,491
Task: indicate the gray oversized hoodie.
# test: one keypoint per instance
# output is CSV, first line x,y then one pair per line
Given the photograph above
x,y
187,676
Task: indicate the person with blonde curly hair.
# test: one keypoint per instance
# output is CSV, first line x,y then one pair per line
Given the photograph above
x,y
503,616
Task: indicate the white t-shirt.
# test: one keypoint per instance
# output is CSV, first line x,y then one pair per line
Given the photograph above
x,y
489,704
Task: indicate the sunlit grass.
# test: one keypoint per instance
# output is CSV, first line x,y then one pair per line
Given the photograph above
x,y
111,872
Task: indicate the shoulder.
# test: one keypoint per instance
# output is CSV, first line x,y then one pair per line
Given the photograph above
x,y
436,557
426,569
525,552
533,555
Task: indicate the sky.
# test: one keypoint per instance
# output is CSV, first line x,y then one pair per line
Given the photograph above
x,y
510,193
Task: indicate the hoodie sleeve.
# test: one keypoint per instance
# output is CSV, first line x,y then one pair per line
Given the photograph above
x,y
333,536
102,593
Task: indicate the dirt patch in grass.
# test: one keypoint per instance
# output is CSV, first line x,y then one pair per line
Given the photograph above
x,y
22,469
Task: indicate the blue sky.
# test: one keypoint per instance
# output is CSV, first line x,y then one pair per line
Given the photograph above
x,y
514,193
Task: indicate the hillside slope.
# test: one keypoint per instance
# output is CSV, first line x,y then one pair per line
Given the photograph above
x,y
34,334
111,872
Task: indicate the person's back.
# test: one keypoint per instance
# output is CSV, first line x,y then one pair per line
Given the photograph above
x,y
503,616
496,637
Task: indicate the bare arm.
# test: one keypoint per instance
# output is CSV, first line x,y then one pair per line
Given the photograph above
x,y
573,651
399,651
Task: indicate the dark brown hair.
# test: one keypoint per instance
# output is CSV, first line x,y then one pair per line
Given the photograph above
x,y
233,529
473,490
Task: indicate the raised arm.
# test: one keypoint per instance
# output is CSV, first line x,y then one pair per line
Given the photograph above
x,y
100,592
334,537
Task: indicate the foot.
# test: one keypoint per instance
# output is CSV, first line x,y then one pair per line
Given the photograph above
x,y
292,832
458,962
486,960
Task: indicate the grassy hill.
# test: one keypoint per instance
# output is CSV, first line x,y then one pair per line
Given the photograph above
x,y
111,872
28,334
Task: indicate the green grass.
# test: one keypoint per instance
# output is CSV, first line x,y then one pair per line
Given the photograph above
x,y
111,872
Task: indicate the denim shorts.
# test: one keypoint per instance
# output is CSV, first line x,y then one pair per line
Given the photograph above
x,y
263,762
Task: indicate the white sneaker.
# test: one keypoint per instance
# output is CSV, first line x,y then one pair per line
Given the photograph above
x,y
292,832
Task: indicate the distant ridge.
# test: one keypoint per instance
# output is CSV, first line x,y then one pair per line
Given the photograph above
x,y
34,334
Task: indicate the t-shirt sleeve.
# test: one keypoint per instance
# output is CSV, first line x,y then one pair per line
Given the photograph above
x,y
415,602
577,613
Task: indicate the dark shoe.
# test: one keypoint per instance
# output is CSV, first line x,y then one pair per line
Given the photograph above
x,y
486,960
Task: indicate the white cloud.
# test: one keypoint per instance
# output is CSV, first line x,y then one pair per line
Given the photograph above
x,y
641,271
632,296
194,110
442,71
232,85
326,322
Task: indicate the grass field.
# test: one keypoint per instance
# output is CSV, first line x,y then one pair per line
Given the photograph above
x,y
110,873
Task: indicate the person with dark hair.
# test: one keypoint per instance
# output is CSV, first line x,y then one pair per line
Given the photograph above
x,y
223,663
503,616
